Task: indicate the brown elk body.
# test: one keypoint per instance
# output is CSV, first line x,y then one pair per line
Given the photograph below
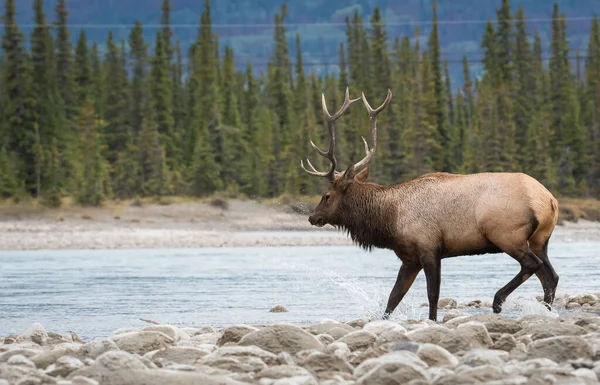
x,y
440,215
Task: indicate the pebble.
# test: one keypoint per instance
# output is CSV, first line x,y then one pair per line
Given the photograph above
x,y
460,349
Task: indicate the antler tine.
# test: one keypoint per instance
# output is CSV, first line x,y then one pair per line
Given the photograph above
x,y
330,153
373,128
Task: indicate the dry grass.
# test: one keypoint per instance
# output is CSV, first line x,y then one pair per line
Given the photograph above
x,y
573,209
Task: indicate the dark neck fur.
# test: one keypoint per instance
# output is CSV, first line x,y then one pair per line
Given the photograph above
x,y
368,216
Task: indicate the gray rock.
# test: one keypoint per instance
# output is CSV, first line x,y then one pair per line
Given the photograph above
x,y
338,349
278,309
172,331
583,299
546,330
25,352
297,380
178,354
116,359
359,340
283,371
560,349
282,337
499,324
234,334
15,373
447,303
64,366
80,380
453,313
477,375
479,357
49,356
335,329
392,373
20,361
404,357
97,347
205,338
242,353
506,342
35,333
358,323
391,336
142,342
513,380
380,326
163,377
467,336
437,356
325,339
429,335
322,364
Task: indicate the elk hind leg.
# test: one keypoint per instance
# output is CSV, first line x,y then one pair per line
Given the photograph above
x,y
547,275
530,264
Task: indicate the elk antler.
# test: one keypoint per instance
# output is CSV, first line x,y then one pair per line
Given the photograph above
x,y
373,129
330,153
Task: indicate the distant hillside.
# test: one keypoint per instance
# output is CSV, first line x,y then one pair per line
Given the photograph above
x,y
246,25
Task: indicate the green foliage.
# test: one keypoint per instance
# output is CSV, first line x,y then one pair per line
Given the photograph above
x,y
123,122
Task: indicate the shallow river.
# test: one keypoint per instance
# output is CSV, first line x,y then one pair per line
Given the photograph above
x,y
95,292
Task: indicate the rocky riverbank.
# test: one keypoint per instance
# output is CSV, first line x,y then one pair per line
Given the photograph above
x,y
459,349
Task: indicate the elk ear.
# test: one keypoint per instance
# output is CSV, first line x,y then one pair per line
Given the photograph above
x,y
347,177
363,175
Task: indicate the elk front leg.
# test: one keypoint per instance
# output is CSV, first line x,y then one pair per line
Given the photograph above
x,y
406,277
432,268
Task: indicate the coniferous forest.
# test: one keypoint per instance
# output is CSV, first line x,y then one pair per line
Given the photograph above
x,y
145,119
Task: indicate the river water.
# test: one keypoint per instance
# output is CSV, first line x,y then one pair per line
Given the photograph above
x,y
94,292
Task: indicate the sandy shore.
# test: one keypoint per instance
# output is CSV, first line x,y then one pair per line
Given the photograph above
x,y
186,225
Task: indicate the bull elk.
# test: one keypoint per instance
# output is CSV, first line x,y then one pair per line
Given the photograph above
x,y
438,215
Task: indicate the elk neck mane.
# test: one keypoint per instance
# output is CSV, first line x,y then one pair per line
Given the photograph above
x,y
368,215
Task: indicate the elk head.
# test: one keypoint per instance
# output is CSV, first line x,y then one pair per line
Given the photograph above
x,y
329,210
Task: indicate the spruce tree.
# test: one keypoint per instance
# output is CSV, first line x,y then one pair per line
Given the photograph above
x,y
160,91
118,132
47,110
64,64
18,101
83,70
93,184
444,162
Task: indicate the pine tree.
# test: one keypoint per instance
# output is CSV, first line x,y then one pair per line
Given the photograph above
x,y
83,70
505,45
523,88
47,110
139,81
64,64
280,100
160,91
9,185
444,161
591,107
97,94
235,171
167,33
117,133
18,102
381,80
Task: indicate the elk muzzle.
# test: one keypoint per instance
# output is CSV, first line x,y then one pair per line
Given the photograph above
x,y
315,220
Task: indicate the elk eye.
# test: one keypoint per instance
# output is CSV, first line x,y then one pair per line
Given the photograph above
x,y
327,197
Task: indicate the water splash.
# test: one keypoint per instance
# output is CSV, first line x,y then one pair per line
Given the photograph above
x,y
520,306
369,296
